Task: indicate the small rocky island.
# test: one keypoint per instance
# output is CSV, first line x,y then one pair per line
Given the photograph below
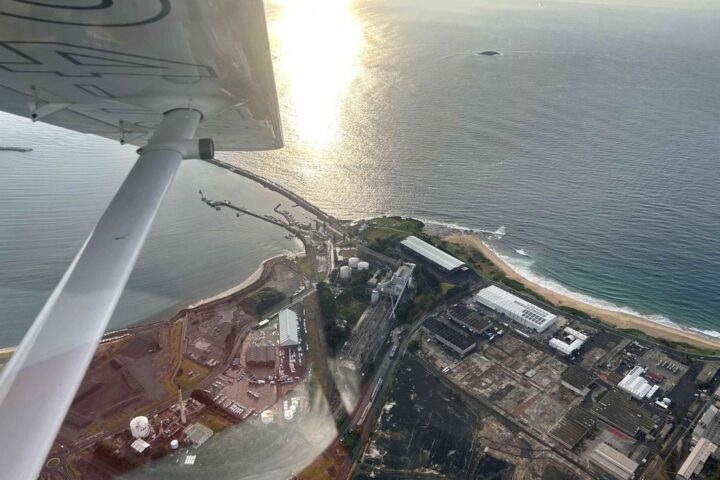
x,y
489,53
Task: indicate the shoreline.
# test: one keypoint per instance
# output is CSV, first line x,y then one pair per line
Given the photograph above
x,y
616,319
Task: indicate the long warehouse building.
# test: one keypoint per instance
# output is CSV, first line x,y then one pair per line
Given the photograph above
x,y
432,254
288,328
521,311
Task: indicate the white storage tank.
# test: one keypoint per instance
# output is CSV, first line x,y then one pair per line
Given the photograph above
x,y
174,444
375,296
140,427
345,272
267,417
353,262
363,266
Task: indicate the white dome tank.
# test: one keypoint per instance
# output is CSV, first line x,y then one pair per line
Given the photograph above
x,y
345,272
363,266
140,427
353,262
174,444
267,417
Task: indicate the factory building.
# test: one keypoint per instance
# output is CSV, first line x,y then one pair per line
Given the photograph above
x,y
288,328
613,462
636,385
695,462
577,379
260,356
616,409
573,427
442,260
708,426
456,340
197,434
570,342
519,310
468,318
401,279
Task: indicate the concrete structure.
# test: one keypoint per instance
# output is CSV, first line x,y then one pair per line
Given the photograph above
x,y
375,296
569,343
363,266
198,434
469,319
708,426
578,379
401,279
140,427
139,445
345,272
613,462
519,310
444,261
288,328
695,462
353,262
636,385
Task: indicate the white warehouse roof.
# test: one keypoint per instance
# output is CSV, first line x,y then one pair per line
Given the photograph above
x,y
635,384
515,307
432,253
288,327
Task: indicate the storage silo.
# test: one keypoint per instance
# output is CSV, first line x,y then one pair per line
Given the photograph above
x,y
363,266
345,272
174,444
267,417
353,262
140,427
375,296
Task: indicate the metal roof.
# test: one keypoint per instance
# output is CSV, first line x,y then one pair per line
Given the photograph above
x,y
288,327
613,461
496,297
432,253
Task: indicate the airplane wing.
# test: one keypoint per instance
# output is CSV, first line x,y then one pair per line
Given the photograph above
x,y
153,73
112,68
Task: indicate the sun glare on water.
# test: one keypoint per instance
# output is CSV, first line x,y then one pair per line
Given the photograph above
x,y
317,46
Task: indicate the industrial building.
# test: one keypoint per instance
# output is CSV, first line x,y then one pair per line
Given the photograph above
x,y
519,310
695,462
468,318
708,426
577,379
613,462
260,356
570,342
636,385
140,427
197,434
619,411
288,328
456,340
573,427
401,279
442,260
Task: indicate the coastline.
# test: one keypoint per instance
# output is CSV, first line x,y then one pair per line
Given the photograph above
x,y
619,320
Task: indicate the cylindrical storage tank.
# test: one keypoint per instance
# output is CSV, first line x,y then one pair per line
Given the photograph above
x,y
353,262
375,296
363,266
267,417
140,427
174,444
345,272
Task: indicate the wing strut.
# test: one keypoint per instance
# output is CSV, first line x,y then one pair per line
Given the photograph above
x,y
39,383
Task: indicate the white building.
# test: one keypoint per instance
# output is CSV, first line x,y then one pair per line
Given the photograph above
x,y
636,385
695,462
570,343
401,279
434,255
523,312
288,328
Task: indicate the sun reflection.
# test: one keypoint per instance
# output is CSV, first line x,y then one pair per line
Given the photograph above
x,y
317,45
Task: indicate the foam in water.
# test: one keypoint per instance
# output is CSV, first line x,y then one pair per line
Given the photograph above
x,y
522,268
521,251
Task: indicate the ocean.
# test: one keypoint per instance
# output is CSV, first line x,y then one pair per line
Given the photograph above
x,y
592,140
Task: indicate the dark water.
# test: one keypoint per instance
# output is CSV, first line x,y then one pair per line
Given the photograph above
x,y
593,139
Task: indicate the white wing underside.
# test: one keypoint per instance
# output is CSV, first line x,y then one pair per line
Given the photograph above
x,y
113,67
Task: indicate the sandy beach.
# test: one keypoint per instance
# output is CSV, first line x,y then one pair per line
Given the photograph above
x,y
617,319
